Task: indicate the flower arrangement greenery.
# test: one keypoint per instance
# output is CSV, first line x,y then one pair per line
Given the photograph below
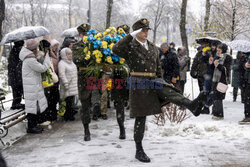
x,y
97,51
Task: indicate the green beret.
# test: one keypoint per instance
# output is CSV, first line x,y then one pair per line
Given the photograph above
x,y
142,23
83,28
125,27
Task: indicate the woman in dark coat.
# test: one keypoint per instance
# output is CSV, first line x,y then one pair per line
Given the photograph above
x,y
15,75
244,68
236,77
222,69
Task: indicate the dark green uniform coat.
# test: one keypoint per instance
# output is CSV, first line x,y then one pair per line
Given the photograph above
x,y
143,102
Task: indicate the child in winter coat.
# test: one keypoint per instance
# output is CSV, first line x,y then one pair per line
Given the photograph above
x,y
68,81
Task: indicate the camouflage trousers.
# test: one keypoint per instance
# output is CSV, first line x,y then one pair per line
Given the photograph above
x,y
85,98
104,97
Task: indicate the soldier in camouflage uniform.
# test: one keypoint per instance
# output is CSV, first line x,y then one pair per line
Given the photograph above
x,y
120,96
84,94
143,61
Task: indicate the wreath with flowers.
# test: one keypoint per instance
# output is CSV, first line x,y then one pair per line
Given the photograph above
x,y
97,50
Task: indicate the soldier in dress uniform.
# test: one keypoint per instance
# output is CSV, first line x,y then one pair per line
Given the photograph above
x,y
142,57
84,94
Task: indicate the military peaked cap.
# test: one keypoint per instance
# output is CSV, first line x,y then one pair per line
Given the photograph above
x,y
125,27
142,23
83,28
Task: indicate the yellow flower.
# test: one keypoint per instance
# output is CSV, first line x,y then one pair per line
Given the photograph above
x,y
121,31
109,60
86,49
46,84
85,39
105,33
122,60
113,29
104,45
111,46
206,49
87,57
98,60
108,31
109,85
97,36
97,53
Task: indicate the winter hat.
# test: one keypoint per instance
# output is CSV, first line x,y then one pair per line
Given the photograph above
x,y
172,43
31,44
44,45
64,52
67,41
54,42
19,43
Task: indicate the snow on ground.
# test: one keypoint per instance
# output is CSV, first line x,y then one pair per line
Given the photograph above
x,y
198,141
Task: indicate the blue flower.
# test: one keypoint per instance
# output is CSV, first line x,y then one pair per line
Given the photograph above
x,y
97,44
92,31
117,38
123,34
115,58
106,52
107,38
91,38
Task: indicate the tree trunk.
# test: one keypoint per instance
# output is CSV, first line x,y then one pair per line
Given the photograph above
x,y
183,24
32,9
109,11
70,14
206,19
233,24
2,16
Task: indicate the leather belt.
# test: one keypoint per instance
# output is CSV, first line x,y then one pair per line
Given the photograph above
x,y
142,74
83,68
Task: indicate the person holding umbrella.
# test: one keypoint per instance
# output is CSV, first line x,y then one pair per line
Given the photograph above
x,y
15,75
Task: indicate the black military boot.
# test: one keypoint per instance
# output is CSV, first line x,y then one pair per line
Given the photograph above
x,y
205,110
96,112
140,154
122,132
86,132
196,105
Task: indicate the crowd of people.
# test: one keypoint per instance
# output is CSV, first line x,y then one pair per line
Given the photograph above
x,y
211,67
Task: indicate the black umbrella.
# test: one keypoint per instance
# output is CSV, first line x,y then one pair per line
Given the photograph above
x,y
208,40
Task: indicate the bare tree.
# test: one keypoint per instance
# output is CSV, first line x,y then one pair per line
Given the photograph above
x,y
33,12
156,10
2,16
184,38
42,10
206,19
70,12
109,11
232,17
